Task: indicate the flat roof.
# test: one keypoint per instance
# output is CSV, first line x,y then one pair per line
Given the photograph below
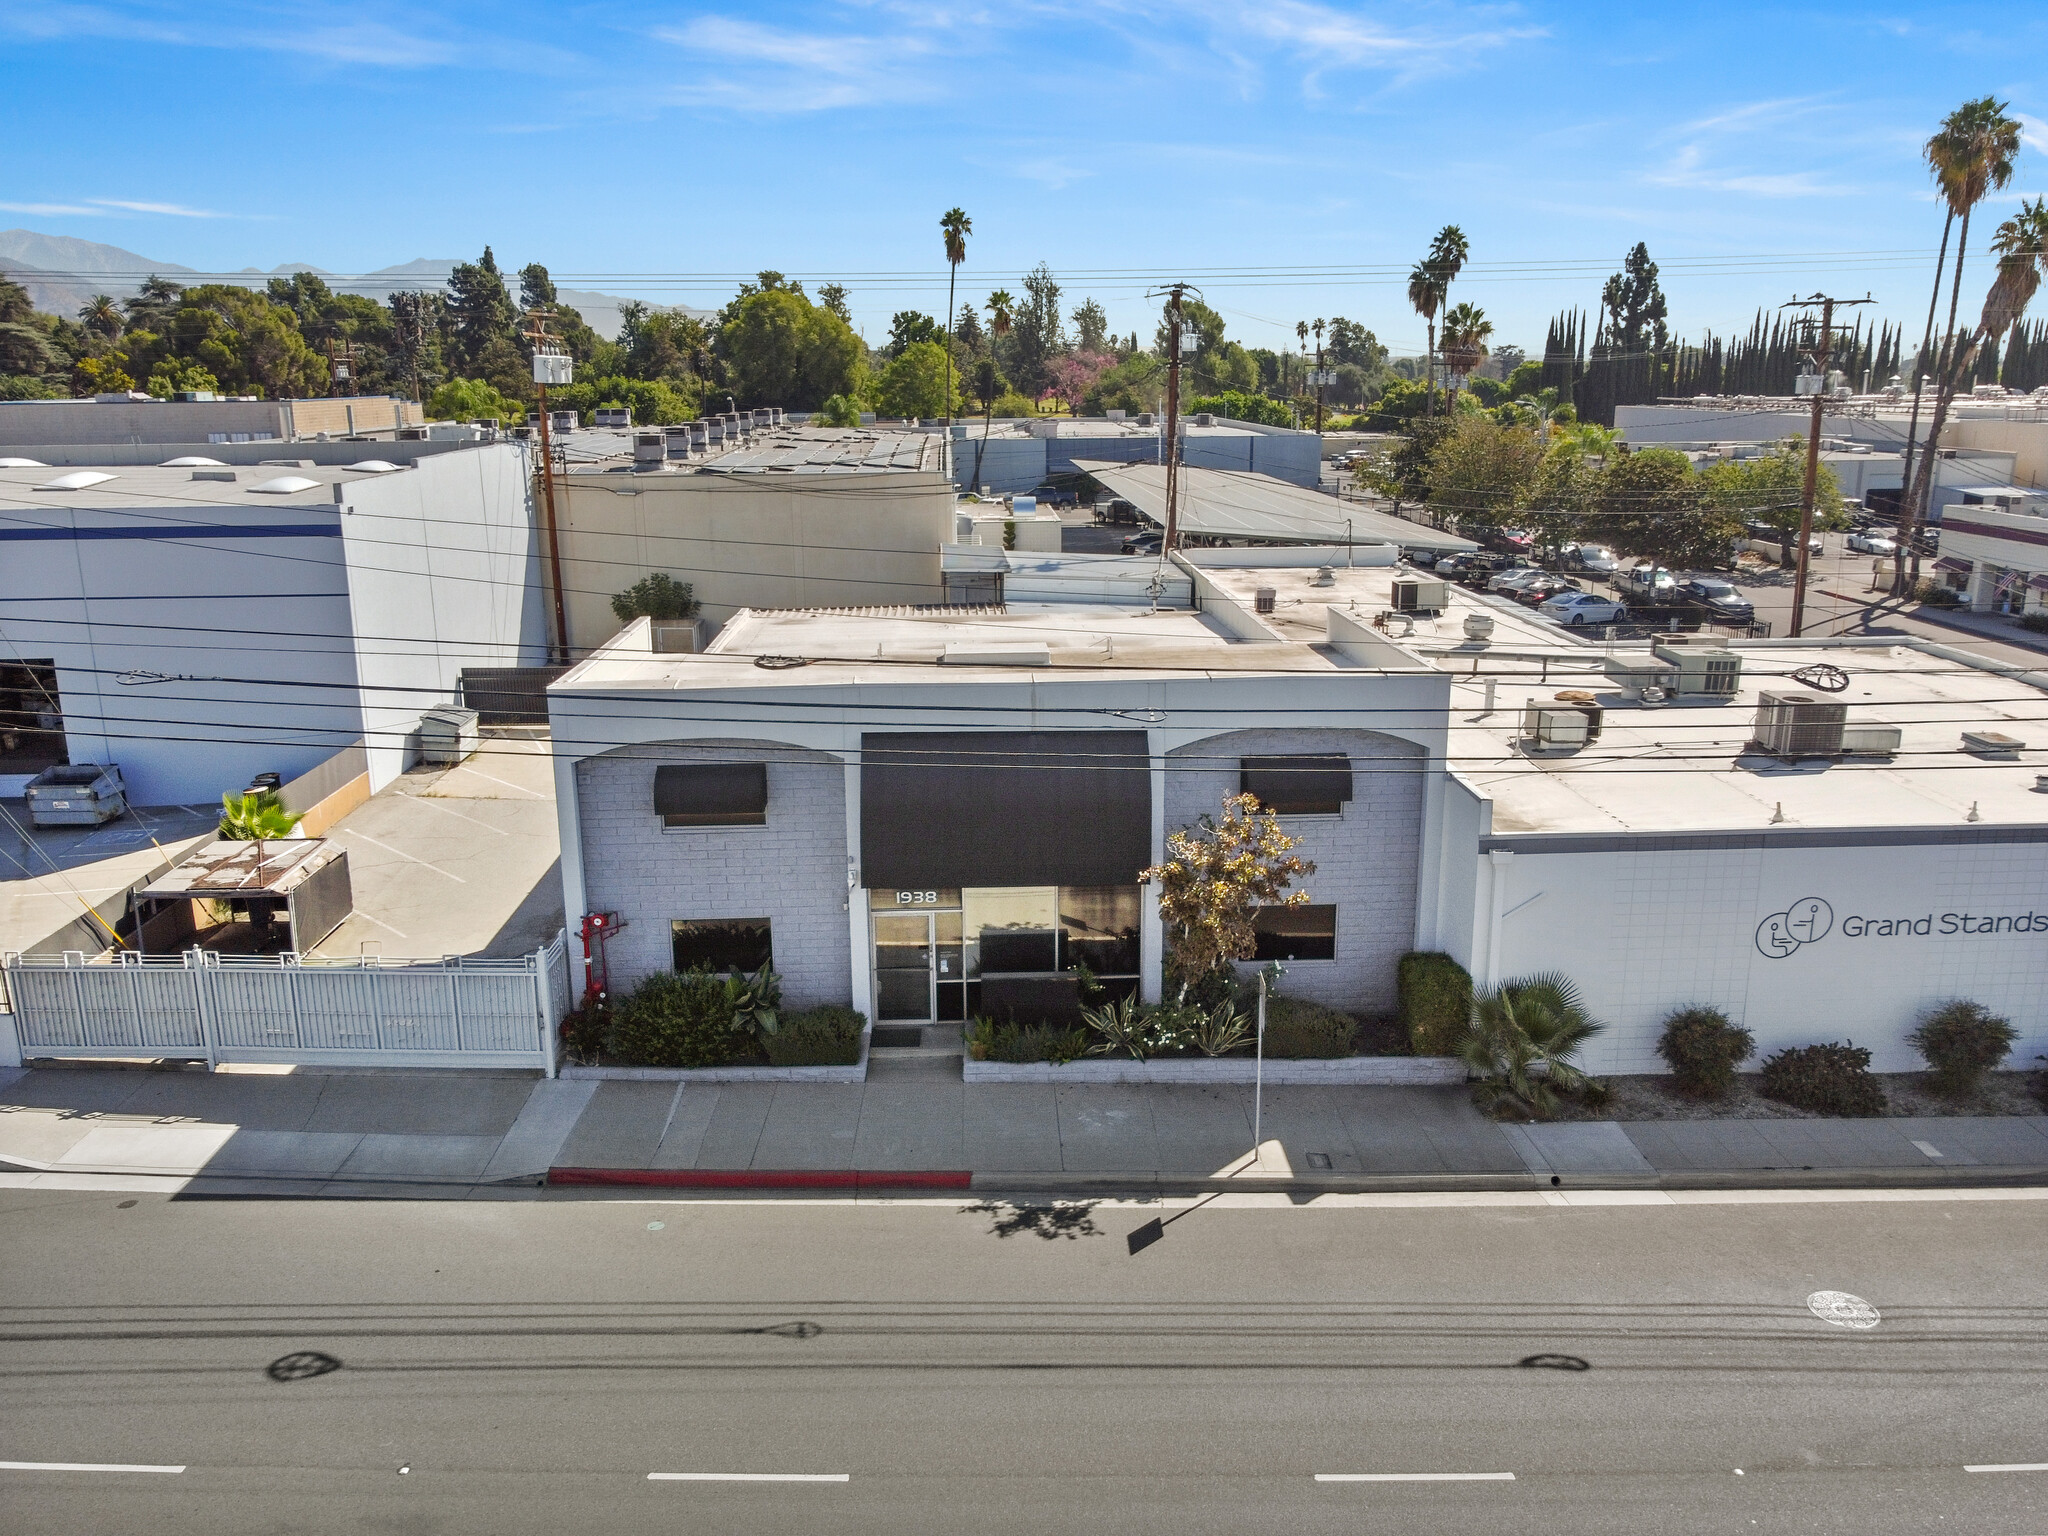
x,y
155,486
1243,504
785,450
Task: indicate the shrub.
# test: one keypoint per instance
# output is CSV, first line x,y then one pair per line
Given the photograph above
x,y
676,1019
584,1029
825,1036
1436,1002
1297,1030
1962,1041
1704,1049
1827,1079
990,1040
2037,622
1521,1042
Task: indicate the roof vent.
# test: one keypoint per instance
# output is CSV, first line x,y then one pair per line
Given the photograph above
x,y
213,474
1992,744
1325,576
1479,627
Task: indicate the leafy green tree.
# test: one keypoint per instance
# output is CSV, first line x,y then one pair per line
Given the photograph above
x,y
153,304
1767,489
779,349
1011,403
1037,334
252,817
832,298
1239,406
175,376
102,373
908,327
1525,380
653,402
1482,473
1402,472
483,322
838,411
472,400
1091,327
914,385
1133,385
1651,505
656,596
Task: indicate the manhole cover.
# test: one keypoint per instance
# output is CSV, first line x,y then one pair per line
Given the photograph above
x,y
301,1366
1842,1309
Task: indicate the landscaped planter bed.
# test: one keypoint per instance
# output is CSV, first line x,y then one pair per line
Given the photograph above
x,y
1906,1094
1335,1071
856,1072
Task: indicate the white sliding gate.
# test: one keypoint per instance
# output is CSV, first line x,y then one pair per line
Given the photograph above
x,y
456,1012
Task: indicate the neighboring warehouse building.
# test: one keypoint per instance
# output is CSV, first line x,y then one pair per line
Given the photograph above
x,y
200,623
28,424
1020,455
788,518
1994,549
935,813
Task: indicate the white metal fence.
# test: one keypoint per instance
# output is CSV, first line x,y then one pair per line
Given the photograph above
x,y
456,1012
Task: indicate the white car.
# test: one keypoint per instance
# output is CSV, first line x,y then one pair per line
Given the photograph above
x,y
1872,544
1595,558
1508,580
1577,608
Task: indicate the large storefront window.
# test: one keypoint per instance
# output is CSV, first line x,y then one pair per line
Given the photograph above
x,y
950,954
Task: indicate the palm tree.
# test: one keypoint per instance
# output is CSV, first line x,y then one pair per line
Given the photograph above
x,y
1446,259
2022,246
1466,332
1425,293
1971,157
957,227
1000,308
101,314
1522,1039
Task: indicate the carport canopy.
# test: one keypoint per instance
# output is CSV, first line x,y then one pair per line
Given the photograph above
x,y
1240,504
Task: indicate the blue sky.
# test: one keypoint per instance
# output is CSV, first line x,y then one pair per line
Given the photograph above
x,y
1121,141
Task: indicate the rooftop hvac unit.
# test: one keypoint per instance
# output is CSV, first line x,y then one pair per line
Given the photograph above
x,y
1992,744
677,442
1871,740
1264,599
1555,725
447,734
1703,670
562,421
1799,724
1635,671
619,416
649,448
1420,594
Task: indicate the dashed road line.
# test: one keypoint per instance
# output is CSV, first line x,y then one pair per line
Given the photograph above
x,y
82,1466
1415,1477
750,1477
2009,1466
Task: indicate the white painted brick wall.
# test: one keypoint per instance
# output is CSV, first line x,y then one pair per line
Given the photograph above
x,y
1366,860
792,871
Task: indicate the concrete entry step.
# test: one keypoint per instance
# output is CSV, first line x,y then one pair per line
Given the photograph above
x,y
913,1062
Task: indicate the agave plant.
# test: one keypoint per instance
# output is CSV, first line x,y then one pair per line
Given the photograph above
x,y
1121,1028
1521,1041
1221,1030
254,817
755,1001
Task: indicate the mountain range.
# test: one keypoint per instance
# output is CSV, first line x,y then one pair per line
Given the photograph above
x,y
61,273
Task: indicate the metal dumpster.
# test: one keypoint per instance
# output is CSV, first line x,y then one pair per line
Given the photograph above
x,y
76,795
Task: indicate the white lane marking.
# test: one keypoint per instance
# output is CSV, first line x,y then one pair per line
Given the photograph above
x,y
437,869
379,922
1415,1477
1929,1148
2009,1466
1842,1309
519,788
82,1466
424,800
750,1477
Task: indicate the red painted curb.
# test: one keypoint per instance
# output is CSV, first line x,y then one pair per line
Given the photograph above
x,y
765,1178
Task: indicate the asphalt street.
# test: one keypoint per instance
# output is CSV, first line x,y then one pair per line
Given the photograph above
x,y
632,1365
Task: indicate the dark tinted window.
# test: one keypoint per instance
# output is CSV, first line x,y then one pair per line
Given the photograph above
x,y
1296,933
1098,928
723,943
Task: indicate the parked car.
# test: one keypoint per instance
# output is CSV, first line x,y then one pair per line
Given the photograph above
x,y
1597,559
1535,593
1509,541
1717,600
1868,541
1581,608
1424,558
1514,578
1648,583
1144,543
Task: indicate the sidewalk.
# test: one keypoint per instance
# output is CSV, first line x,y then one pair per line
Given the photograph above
x,y
490,1135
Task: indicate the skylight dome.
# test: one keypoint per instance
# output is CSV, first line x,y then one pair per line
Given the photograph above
x,y
23,464
192,461
77,480
375,466
285,485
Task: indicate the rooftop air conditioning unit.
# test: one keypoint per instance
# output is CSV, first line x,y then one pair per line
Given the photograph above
x,y
1635,671
1556,725
621,416
649,448
1418,594
1871,740
1703,670
1799,724
1264,599
562,421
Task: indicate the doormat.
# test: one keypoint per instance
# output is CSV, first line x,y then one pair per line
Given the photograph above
x,y
897,1034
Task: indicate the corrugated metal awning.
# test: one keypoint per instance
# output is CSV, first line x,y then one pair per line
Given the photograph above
x,y
1238,504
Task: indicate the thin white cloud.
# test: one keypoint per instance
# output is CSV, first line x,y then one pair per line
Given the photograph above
x,y
171,210
55,210
785,70
1754,116
1688,169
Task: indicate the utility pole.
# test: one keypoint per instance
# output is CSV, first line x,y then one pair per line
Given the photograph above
x,y
1822,348
1319,378
550,367
1169,452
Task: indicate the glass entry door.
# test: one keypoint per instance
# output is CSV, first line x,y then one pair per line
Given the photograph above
x,y
903,966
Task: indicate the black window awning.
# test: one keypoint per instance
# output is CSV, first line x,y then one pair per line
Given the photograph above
x,y
711,794
1308,784
944,809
